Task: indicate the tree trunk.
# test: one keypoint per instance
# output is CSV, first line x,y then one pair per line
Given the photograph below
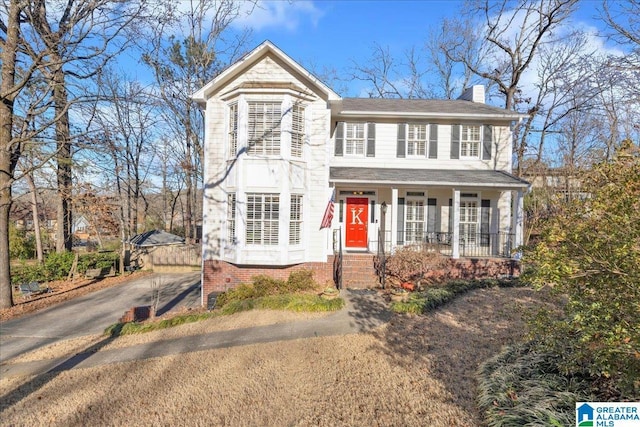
x,y
36,217
9,152
63,158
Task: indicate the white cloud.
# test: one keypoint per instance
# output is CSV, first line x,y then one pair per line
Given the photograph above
x,y
269,14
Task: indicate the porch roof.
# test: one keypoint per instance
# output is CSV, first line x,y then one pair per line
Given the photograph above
x,y
427,177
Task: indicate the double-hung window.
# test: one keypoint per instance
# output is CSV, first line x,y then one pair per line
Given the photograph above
x,y
263,215
297,130
231,218
233,130
414,222
354,139
468,221
417,140
295,220
470,141
264,128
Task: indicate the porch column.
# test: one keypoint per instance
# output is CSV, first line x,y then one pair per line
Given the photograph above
x,y
394,217
517,216
455,233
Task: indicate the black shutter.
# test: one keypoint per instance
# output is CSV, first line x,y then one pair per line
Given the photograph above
x,y
485,215
455,141
339,150
371,139
402,131
401,220
433,141
487,140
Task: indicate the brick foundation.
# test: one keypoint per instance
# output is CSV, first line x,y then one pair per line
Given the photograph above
x,y
358,272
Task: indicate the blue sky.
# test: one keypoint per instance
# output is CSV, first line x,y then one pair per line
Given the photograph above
x,y
332,34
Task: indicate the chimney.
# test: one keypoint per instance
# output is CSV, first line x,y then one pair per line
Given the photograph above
x,y
474,94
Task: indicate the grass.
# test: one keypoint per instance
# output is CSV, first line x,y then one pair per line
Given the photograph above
x,y
291,302
434,297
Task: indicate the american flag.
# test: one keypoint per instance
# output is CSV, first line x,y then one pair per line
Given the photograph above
x,y
328,212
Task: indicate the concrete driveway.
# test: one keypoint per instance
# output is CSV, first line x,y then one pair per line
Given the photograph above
x,y
92,313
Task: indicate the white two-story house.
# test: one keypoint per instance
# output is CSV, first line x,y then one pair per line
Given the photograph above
x,y
279,144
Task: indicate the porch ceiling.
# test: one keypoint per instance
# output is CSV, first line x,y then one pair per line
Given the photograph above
x,y
427,177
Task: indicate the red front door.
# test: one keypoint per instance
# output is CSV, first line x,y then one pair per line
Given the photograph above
x,y
356,216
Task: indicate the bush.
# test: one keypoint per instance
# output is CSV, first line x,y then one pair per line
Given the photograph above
x,y
263,285
98,260
589,254
521,387
409,264
57,265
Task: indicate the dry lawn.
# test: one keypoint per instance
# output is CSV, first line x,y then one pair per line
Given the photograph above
x,y
414,371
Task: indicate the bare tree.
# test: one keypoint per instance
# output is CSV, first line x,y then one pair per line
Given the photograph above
x,y
511,35
56,42
184,61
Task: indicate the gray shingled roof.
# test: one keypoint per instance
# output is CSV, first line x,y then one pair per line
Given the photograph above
x,y
155,238
429,177
427,107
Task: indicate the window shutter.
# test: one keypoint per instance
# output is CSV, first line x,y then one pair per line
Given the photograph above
x,y
487,140
485,214
401,220
371,139
339,139
402,132
432,218
433,141
455,141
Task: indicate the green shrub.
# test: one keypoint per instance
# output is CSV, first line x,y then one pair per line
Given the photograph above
x,y
241,292
57,265
98,260
301,281
263,285
267,285
589,254
27,273
521,387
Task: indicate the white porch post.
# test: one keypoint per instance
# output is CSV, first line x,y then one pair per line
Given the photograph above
x,y
394,217
518,218
455,236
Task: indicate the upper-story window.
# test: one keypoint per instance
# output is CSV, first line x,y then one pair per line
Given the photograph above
x,y
470,140
233,130
264,128
416,140
354,139
297,130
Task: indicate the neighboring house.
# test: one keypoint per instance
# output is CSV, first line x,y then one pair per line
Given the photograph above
x,y
279,143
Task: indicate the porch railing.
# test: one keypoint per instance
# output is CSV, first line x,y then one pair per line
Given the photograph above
x,y
470,245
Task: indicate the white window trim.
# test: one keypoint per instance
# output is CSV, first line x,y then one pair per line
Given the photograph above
x,y
364,140
423,200
479,143
426,141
